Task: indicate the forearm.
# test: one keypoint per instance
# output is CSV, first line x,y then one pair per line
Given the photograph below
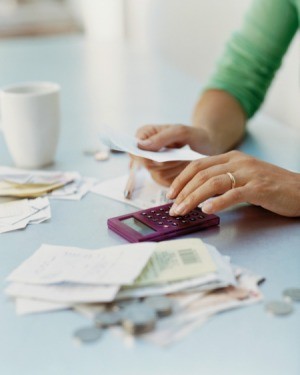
x,y
222,117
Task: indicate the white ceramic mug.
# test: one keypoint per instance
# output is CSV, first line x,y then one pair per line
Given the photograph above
x,y
30,120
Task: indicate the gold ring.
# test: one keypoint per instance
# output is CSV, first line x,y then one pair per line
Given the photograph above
x,y
232,179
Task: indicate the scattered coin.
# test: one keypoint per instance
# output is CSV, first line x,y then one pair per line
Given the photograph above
x,y
292,294
87,335
90,151
138,319
107,319
101,155
279,308
162,305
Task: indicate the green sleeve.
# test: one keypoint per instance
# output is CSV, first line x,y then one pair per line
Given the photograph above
x,y
254,53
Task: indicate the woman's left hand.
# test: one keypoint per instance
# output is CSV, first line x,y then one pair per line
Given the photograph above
x,y
232,178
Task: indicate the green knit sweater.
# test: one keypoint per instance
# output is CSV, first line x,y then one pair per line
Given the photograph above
x,y
254,53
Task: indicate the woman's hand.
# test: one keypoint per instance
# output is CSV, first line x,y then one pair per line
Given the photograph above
x,y
155,137
255,181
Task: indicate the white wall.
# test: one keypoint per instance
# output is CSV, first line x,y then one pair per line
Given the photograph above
x,y
191,35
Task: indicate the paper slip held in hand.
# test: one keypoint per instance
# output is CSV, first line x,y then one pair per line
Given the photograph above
x,y
147,193
117,265
18,214
124,142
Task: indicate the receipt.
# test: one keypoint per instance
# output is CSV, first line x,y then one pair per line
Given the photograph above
x,y
123,141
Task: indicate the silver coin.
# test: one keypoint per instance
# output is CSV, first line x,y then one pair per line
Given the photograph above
x,y
87,335
279,308
101,155
162,305
107,319
90,151
138,319
292,294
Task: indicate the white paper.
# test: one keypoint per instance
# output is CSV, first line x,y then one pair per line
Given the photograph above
x,y
147,193
119,265
66,293
24,176
18,214
223,276
26,306
125,142
75,190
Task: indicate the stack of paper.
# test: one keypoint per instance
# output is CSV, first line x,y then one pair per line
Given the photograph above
x,y
67,275
198,280
23,183
18,214
71,275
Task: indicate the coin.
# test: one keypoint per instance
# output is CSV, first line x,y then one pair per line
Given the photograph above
x,y
138,319
162,305
87,335
107,319
101,155
90,151
292,294
279,308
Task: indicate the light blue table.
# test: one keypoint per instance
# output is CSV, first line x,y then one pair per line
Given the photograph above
x,y
114,85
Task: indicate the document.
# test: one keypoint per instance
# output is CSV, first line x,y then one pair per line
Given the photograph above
x,y
18,214
117,265
26,306
147,193
223,276
67,293
177,260
22,183
117,140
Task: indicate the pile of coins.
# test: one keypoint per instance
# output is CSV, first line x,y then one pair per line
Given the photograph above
x,y
285,306
136,317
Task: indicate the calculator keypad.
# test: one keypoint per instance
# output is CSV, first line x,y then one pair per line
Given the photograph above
x,y
160,217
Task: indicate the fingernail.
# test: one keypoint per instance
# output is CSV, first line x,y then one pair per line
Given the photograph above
x,y
180,208
177,209
170,193
173,210
144,142
207,207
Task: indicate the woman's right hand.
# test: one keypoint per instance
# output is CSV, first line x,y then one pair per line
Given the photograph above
x,y
155,137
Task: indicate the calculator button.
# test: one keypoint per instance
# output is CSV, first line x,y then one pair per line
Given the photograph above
x,y
152,211
170,221
195,213
192,219
164,217
144,213
149,216
167,212
183,221
160,223
178,218
154,219
158,214
161,209
175,224
166,226
201,216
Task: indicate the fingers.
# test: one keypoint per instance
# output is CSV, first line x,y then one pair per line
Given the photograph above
x,y
196,167
155,138
215,185
226,200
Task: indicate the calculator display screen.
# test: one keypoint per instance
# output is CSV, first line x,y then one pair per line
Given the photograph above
x,y
138,226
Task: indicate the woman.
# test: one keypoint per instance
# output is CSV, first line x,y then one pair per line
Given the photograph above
x,y
233,95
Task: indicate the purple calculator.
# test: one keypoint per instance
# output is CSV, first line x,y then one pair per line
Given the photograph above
x,y
155,224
